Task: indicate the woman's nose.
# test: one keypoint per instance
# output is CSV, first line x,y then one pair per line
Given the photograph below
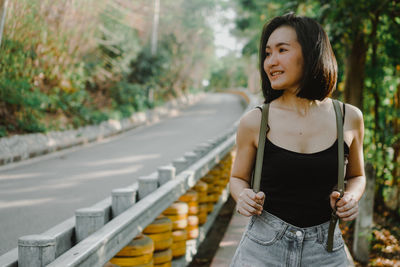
x,y
271,60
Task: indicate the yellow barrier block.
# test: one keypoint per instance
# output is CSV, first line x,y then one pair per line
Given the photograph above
x,y
193,207
159,225
162,256
202,218
210,207
139,246
193,232
207,179
163,244
177,208
214,197
145,259
179,235
160,236
179,224
190,195
203,197
203,208
200,186
165,264
178,249
193,220
177,217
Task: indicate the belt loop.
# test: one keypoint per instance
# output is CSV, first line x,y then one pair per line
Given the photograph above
x,y
320,237
284,228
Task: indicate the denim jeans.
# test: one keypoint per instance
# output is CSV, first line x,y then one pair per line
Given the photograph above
x,y
269,241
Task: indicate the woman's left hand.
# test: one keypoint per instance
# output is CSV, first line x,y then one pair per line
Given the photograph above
x,y
347,206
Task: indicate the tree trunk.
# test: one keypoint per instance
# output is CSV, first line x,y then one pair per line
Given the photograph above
x,y
364,221
355,68
374,88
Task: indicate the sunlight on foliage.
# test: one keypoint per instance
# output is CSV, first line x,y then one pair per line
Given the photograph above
x,y
65,64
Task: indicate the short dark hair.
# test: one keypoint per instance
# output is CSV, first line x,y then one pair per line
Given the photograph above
x,y
320,67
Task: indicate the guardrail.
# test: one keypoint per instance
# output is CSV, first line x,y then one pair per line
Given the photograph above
x,y
97,233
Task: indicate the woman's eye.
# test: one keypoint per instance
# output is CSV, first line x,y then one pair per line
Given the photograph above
x,y
267,54
282,50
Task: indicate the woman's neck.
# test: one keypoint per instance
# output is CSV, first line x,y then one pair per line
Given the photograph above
x,y
301,106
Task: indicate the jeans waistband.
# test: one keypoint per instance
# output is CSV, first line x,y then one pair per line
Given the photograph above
x,y
290,230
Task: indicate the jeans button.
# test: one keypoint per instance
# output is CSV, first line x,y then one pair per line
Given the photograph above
x,y
299,233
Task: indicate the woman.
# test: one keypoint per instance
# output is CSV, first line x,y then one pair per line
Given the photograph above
x,y
290,214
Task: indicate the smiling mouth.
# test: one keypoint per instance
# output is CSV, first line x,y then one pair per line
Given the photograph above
x,y
276,73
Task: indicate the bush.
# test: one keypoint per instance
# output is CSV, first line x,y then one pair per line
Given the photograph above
x,y
21,102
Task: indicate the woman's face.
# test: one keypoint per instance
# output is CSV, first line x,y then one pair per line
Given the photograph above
x,y
284,59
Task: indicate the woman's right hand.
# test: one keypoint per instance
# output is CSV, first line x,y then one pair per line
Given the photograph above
x,y
249,203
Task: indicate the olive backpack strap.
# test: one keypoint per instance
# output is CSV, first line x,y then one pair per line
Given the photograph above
x,y
264,128
340,187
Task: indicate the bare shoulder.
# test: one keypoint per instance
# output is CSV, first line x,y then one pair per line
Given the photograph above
x,y
354,117
251,120
249,127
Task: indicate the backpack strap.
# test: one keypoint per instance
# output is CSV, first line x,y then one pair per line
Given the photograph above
x,y
340,188
264,129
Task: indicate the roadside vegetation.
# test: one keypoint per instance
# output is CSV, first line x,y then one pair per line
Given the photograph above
x,y
65,64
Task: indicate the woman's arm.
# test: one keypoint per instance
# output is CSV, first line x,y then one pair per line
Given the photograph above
x,y
347,207
248,202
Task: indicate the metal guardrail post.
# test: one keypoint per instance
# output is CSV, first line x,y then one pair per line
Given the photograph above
x,y
147,185
88,221
191,157
201,149
122,199
213,142
36,250
180,164
165,174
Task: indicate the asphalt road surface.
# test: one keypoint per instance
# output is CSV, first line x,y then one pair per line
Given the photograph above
x,y
41,194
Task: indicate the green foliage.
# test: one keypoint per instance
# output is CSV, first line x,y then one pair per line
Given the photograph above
x,y
148,68
228,73
65,64
16,93
129,97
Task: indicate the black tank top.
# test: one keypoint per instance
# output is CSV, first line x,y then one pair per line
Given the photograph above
x,y
297,186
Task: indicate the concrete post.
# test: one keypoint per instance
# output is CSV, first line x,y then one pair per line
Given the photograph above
x,y
201,149
88,221
147,185
165,174
36,250
221,138
363,224
190,157
122,199
213,143
180,164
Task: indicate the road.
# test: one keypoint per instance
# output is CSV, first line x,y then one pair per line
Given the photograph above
x,y
37,196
